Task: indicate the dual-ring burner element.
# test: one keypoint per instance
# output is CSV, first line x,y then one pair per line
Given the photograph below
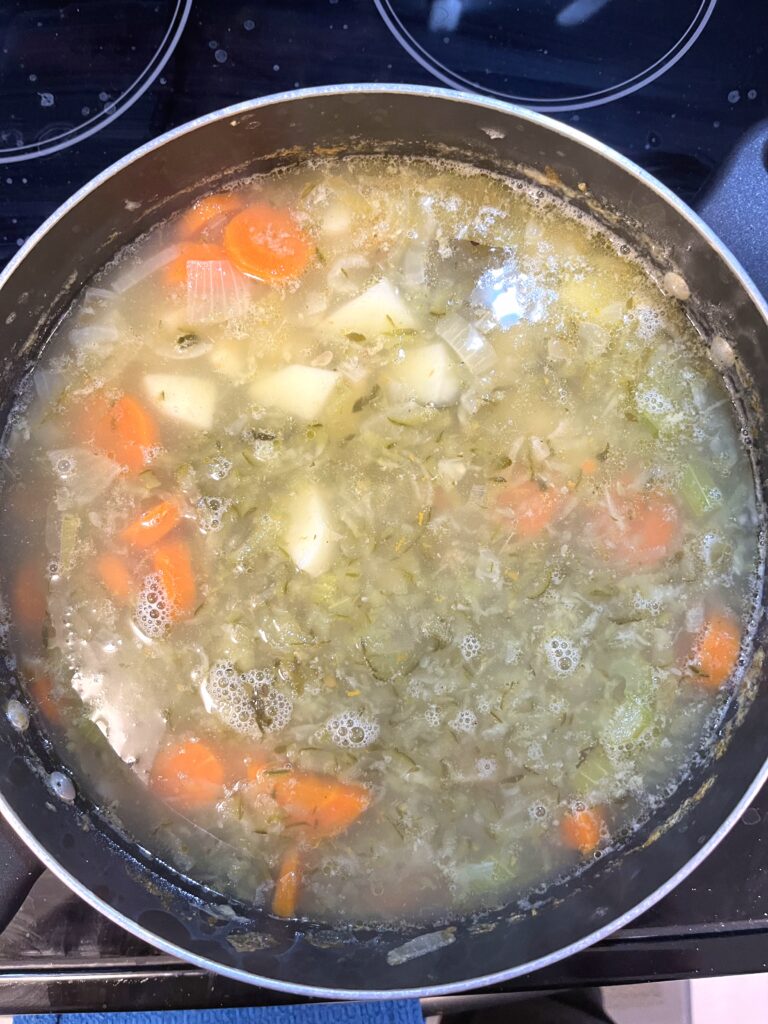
x,y
551,55
66,71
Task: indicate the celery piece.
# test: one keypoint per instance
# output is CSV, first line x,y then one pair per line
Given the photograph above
x,y
70,528
698,489
592,772
149,480
628,722
655,410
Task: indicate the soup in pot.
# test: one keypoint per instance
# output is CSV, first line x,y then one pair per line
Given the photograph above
x,y
391,526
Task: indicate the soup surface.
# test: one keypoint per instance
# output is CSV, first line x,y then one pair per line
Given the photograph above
x,y
388,530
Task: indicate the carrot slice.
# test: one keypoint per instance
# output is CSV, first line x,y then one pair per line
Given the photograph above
x,y
716,650
267,244
175,272
326,807
589,467
115,575
173,564
582,830
41,689
123,430
29,602
529,508
189,773
288,884
262,773
639,531
206,210
152,525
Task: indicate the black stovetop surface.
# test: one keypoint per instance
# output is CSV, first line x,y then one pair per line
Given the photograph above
x,y
671,85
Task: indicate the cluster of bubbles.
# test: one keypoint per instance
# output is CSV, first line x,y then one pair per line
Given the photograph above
x,y
219,467
210,512
416,689
351,729
276,709
465,721
557,705
432,716
648,322
153,609
563,655
512,652
247,701
485,767
469,646
652,605
653,402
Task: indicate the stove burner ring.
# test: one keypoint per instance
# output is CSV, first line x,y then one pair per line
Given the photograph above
x,y
445,14
58,136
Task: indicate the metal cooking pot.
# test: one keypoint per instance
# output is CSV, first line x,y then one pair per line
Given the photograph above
x,y
129,884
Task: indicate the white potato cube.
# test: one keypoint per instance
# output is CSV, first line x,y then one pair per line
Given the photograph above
x,y
298,390
427,374
190,400
309,538
375,311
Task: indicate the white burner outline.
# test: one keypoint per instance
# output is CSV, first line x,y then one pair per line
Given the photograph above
x,y
564,103
137,88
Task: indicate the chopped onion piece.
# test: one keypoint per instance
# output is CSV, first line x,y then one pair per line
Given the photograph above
x,y
97,334
141,270
347,273
415,267
48,384
420,946
99,294
215,291
83,475
467,342
540,450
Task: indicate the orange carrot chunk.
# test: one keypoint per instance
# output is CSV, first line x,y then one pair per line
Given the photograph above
x,y
29,602
267,244
114,573
639,531
716,650
326,807
173,564
189,773
152,525
206,210
123,430
175,272
41,689
582,830
288,884
589,467
529,508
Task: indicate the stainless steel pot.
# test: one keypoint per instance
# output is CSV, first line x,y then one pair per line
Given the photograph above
x,y
94,856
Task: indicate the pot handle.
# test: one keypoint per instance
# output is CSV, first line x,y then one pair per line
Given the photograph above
x,y
735,203
19,870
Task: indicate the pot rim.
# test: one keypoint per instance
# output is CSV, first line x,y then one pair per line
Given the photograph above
x,y
666,195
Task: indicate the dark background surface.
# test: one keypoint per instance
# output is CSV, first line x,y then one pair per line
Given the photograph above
x,y
70,71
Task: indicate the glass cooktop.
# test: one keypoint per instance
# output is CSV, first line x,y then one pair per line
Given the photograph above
x,y
670,84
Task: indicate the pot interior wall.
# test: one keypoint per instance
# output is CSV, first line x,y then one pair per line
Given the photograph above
x,y
145,892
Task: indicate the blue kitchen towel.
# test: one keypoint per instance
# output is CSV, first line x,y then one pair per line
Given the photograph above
x,y
394,1011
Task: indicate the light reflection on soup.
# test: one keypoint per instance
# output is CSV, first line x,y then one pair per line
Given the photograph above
x,y
395,530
